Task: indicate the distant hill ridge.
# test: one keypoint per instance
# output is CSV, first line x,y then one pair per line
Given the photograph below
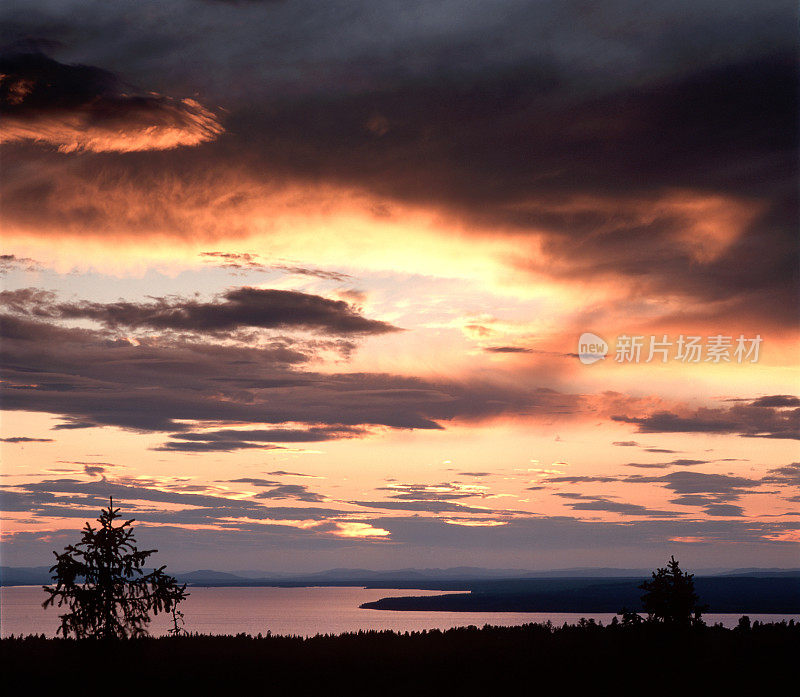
x,y
38,575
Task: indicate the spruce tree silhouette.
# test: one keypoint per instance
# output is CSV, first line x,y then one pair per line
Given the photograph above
x,y
103,585
670,598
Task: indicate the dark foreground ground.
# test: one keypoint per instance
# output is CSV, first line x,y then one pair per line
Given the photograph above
x,y
530,659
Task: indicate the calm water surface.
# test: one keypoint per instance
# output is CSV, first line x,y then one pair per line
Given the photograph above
x,y
298,611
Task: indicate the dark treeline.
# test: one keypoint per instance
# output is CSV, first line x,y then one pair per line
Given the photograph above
x,y
641,659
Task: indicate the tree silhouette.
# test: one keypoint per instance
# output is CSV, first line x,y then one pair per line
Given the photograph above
x,y
103,585
670,598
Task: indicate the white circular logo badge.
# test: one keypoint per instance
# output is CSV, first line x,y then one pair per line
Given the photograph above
x,y
591,348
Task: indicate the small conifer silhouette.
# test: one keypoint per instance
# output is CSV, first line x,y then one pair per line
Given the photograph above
x,y
102,583
670,598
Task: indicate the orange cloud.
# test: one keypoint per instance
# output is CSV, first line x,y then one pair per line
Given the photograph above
x,y
162,124
79,108
359,530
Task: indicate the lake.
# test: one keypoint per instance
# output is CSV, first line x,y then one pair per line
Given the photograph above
x,y
298,611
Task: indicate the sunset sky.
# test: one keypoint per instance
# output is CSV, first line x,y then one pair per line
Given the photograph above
x,y
301,283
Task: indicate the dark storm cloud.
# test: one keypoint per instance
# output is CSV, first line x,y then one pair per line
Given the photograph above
x,y
86,378
766,417
238,308
538,124
25,439
529,118
507,150
79,107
